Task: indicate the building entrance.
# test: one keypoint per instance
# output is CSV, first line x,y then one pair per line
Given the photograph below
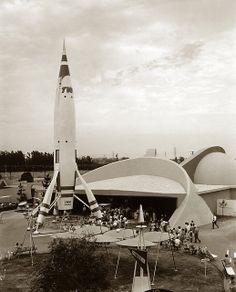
x,y
161,206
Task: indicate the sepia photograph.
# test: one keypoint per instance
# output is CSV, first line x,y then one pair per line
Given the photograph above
x,y
118,146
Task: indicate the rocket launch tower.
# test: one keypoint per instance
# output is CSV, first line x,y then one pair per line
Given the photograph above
x,y
65,167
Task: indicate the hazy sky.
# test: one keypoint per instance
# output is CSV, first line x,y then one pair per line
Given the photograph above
x,y
146,74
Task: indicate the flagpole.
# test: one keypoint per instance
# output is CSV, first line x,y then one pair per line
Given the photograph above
x,y
155,268
135,267
158,253
117,263
171,248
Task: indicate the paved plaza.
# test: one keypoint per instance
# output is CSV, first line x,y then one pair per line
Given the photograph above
x,y
13,228
218,241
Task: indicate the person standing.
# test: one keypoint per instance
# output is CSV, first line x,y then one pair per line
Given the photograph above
x,y
214,221
196,234
227,260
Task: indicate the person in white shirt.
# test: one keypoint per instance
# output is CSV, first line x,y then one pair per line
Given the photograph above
x,y
214,222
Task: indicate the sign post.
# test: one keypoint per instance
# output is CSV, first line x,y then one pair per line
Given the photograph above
x,y
205,260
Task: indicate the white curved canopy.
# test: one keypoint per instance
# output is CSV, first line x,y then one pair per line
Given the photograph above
x,y
159,176
138,183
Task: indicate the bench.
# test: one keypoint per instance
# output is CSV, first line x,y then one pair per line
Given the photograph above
x,y
230,271
24,250
211,256
214,256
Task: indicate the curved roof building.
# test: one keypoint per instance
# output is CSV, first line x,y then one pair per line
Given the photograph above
x,y
211,166
214,175
216,169
151,178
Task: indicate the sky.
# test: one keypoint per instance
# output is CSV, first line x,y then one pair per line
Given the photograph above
x,y
146,74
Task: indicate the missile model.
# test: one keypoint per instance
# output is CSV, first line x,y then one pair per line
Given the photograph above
x,y
65,167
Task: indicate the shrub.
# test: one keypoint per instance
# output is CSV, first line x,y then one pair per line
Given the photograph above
x,y
72,265
27,176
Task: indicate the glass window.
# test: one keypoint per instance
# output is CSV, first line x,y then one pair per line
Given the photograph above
x,y
57,156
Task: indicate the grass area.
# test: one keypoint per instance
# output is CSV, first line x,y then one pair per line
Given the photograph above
x,y
188,277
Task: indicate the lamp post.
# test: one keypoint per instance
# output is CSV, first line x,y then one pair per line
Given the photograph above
x,y
205,260
222,205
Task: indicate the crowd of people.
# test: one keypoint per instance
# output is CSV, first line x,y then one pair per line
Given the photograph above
x,y
186,237
4,206
182,236
113,218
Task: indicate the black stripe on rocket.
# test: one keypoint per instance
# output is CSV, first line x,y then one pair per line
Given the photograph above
x,y
96,209
64,71
47,206
64,58
43,213
58,182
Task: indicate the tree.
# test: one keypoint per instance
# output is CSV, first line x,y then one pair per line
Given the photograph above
x,y
21,193
46,181
27,176
72,265
181,159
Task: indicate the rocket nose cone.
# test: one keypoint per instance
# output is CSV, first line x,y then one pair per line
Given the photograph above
x,y
64,57
64,71
141,216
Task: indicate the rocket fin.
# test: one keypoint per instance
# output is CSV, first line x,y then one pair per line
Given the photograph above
x,y
36,210
93,204
45,206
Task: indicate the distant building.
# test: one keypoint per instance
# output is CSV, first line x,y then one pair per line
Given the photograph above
x,y
151,152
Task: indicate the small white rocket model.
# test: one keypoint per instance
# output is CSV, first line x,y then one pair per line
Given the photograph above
x,y
65,167
141,281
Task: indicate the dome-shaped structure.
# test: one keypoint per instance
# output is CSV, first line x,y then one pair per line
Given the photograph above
x,y
216,169
190,164
211,166
214,174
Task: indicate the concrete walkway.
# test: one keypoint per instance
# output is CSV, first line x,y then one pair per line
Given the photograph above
x,y
13,229
14,225
219,240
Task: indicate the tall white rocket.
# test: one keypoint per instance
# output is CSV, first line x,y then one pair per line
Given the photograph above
x,y
65,167
64,137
